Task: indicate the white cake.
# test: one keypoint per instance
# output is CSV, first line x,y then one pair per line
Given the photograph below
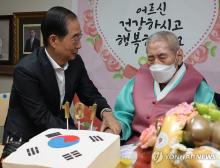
x,y
62,148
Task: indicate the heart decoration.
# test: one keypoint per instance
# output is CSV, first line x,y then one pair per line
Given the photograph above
x,y
125,26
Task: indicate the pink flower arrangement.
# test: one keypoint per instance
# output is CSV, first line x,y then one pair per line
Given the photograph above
x,y
95,39
215,33
148,137
89,26
129,71
111,63
183,112
200,55
98,44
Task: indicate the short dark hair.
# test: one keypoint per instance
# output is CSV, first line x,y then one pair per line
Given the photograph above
x,y
55,22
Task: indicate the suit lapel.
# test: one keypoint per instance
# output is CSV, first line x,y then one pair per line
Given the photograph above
x,y
51,80
68,84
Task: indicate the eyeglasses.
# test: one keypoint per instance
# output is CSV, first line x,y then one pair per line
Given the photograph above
x,y
76,38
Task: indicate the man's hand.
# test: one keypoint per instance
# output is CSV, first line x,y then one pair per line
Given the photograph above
x,y
110,124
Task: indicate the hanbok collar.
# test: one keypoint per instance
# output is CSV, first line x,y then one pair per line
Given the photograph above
x,y
171,85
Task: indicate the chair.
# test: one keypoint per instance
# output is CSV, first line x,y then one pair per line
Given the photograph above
x,y
217,99
4,102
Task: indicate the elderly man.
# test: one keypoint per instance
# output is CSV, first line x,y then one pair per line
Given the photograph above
x,y
158,86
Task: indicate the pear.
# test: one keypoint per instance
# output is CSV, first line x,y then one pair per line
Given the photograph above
x,y
198,128
215,138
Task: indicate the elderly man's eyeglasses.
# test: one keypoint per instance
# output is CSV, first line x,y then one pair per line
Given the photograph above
x,y
76,38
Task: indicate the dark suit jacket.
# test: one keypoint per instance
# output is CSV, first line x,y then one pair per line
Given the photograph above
x,y
35,45
35,100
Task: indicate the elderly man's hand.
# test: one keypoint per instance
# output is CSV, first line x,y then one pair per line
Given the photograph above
x,y
110,123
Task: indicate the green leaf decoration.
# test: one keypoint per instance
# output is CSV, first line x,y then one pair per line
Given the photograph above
x,y
121,71
142,60
118,76
90,40
86,125
213,51
97,37
208,44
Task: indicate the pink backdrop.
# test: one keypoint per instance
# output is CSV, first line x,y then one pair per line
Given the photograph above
x,y
108,71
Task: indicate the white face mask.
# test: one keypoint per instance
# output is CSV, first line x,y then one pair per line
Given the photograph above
x,y
162,73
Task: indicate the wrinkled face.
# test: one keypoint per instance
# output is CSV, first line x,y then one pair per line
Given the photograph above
x,y
68,46
159,53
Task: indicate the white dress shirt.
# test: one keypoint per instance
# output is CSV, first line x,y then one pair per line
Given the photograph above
x,y
60,76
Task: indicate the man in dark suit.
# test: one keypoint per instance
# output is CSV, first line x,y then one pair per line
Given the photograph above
x,y
47,78
31,43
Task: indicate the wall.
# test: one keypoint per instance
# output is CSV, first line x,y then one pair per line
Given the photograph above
x,y
10,6
7,7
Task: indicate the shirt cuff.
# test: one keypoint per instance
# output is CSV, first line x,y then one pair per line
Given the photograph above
x,y
105,110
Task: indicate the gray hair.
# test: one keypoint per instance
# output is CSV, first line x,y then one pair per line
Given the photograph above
x,y
167,36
